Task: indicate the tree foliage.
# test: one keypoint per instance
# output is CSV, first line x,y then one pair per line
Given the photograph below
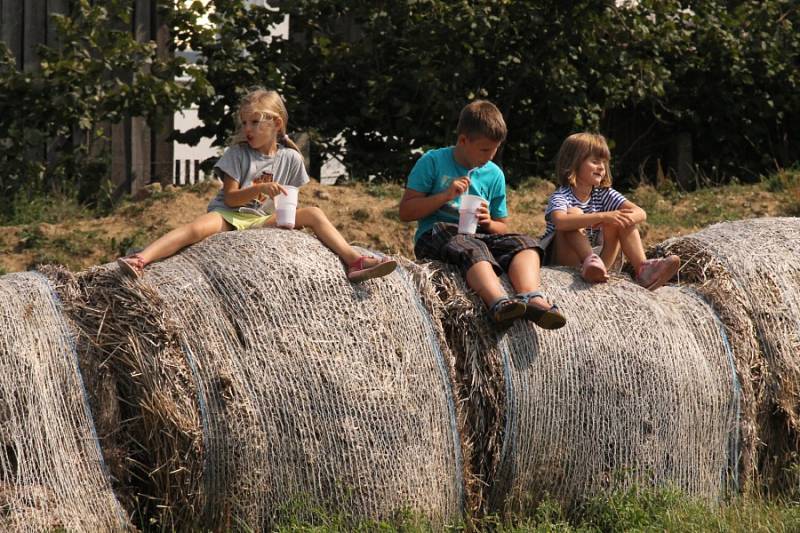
x,y
55,119
388,78
726,72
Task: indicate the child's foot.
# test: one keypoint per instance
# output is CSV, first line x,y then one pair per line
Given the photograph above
x,y
132,265
505,309
654,273
541,313
594,270
366,267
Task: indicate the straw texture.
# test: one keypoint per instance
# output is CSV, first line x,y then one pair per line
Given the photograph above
x,y
637,388
260,377
749,270
52,474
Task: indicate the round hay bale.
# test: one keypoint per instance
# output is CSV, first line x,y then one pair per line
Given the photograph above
x,y
749,271
98,379
477,369
304,390
52,474
637,388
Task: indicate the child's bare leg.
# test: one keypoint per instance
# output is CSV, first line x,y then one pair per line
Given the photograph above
x,y
611,245
571,247
482,279
197,230
314,218
524,275
631,243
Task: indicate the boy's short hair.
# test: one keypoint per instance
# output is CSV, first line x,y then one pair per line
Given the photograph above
x,y
481,118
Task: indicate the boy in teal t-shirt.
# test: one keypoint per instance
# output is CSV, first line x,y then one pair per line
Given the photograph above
x,y
433,196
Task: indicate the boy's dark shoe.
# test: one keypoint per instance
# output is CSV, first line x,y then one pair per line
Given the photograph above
x,y
506,309
544,318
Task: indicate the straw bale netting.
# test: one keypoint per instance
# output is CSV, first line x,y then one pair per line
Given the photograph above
x,y
638,387
258,377
749,271
52,474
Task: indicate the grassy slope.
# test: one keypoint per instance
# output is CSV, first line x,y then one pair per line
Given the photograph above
x,y
365,214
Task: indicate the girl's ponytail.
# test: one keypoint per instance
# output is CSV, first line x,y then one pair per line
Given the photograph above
x,y
286,141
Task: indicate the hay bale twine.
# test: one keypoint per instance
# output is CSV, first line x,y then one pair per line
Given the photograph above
x,y
749,270
308,389
52,474
637,388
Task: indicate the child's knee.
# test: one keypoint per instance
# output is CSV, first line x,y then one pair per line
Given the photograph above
x,y
312,215
198,230
528,258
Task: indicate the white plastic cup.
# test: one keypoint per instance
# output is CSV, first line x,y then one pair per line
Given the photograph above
x,y
286,206
468,214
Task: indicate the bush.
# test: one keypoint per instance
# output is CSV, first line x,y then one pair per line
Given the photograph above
x,y
386,78
55,118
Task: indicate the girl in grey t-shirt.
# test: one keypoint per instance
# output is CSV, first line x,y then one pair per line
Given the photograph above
x,y
256,168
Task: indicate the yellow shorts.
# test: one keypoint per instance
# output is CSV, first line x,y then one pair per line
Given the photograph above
x,y
242,221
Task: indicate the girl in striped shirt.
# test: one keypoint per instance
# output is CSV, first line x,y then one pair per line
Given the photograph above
x,y
585,216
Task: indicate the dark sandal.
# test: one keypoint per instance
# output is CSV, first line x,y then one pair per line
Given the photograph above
x,y
544,318
505,309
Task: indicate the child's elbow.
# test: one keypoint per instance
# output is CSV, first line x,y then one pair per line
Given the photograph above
x,y
404,214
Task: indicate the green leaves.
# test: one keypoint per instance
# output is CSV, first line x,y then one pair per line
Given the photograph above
x,y
99,74
388,78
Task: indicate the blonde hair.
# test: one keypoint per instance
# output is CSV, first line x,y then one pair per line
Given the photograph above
x,y
481,118
575,150
266,104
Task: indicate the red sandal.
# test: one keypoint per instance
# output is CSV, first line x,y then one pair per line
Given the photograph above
x,y
132,265
358,271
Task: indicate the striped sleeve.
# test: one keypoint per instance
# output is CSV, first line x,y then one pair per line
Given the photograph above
x,y
610,199
559,201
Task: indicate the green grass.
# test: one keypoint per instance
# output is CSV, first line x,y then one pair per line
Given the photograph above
x,y
783,180
49,208
138,239
384,190
68,250
639,510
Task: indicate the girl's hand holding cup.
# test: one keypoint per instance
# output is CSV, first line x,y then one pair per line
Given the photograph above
x,y
271,189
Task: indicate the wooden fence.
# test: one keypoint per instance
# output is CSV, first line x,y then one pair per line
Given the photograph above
x,y
139,154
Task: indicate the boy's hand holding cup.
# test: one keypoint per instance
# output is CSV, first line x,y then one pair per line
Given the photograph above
x,y
484,219
458,187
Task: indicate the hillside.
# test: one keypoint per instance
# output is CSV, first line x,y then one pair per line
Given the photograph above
x,y
367,216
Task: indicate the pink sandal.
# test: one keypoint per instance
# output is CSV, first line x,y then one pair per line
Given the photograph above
x,y
132,265
654,273
594,270
358,271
